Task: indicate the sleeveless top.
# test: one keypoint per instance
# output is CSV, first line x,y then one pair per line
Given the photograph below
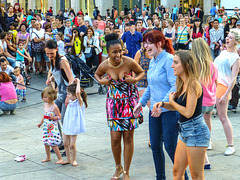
x,y
197,35
182,102
18,56
168,35
61,82
144,63
182,35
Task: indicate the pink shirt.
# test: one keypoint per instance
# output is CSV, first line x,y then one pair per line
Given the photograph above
x,y
19,79
101,25
7,91
209,92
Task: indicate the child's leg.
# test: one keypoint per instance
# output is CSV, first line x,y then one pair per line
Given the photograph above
x,y
73,139
66,139
47,149
56,150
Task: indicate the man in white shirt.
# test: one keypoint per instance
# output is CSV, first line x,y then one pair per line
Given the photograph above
x,y
4,67
144,18
88,18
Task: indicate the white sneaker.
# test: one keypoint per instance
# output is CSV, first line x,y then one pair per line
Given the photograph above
x,y
1,112
229,151
210,146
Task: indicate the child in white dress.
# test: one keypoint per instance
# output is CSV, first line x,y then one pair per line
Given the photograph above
x,y
73,119
51,134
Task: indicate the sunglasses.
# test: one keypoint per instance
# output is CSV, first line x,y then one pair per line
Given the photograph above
x,y
111,24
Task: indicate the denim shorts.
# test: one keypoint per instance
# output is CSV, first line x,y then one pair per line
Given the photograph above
x,y
40,56
195,132
207,109
7,107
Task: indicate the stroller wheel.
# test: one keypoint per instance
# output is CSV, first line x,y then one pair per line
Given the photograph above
x,y
100,90
104,89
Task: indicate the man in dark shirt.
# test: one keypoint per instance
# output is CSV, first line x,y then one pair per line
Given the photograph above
x,y
125,10
60,27
60,15
133,40
82,28
157,25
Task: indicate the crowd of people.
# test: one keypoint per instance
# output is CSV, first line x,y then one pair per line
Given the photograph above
x,y
170,62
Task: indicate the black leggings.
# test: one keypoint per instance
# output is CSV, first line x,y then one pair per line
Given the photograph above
x,y
92,61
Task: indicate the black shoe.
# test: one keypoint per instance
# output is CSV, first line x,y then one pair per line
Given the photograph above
x,y
23,100
52,151
61,148
63,154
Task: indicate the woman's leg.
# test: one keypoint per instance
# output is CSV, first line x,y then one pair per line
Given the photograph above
x,y
227,126
116,137
156,139
207,118
73,139
180,161
66,139
195,156
47,149
128,149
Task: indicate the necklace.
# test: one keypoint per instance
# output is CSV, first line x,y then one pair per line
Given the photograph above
x,y
115,67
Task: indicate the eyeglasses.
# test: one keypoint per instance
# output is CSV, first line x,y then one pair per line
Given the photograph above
x,y
111,24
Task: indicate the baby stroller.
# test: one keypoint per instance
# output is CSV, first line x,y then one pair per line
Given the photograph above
x,y
84,73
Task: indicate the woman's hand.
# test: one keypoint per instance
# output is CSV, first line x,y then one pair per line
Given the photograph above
x,y
156,112
172,96
48,82
129,79
76,80
223,99
137,109
105,80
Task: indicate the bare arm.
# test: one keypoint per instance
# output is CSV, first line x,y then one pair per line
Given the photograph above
x,y
65,66
191,103
21,54
101,70
78,92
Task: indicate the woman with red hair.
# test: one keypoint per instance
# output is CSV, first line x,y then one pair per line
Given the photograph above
x,y
163,125
8,94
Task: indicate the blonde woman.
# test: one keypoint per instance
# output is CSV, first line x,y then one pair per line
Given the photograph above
x,y
187,100
208,79
169,32
228,67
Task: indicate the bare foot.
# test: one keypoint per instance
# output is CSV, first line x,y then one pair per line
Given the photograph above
x,y
65,162
46,160
59,161
74,163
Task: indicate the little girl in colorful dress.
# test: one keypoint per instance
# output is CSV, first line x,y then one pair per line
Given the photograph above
x,y
51,134
74,119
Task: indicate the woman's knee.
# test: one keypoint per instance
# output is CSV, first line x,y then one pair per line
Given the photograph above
x,y
177,172
72,146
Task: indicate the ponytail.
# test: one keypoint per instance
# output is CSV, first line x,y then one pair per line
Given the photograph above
x,y
84,97
168,46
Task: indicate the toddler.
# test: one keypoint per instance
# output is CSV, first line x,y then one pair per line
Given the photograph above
x,y
51,135
74,119
20,88
60,43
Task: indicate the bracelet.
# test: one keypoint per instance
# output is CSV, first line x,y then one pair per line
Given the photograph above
x,y
162,104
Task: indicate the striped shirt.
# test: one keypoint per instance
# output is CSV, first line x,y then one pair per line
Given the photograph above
x,y
182,35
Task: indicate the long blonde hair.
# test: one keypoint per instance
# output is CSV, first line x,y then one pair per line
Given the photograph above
x,y
202,51
189,64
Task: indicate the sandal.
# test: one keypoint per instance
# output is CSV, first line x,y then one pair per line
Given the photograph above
x,y
118,172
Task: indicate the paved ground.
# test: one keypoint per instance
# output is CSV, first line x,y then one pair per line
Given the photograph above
x,y
20,135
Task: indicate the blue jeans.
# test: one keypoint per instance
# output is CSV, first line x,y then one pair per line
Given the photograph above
x,y
12,61
163,129
7,107
174,17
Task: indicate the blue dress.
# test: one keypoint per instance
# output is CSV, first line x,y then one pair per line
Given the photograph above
x,y
73,122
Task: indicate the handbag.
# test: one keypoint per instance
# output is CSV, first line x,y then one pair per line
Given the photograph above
x,y
216,50
37,47
91,53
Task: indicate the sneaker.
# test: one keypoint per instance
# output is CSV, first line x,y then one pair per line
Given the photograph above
x,y
210,146
5,112
23,100
52,151
207,166
63,154
13,112
1,112
230,107
229,151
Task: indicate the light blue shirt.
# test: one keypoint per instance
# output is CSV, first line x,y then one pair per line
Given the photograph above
x,y
161,80
175,9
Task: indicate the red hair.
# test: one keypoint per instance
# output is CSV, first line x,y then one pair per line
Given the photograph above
x,y
155,37
19,9
4,77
